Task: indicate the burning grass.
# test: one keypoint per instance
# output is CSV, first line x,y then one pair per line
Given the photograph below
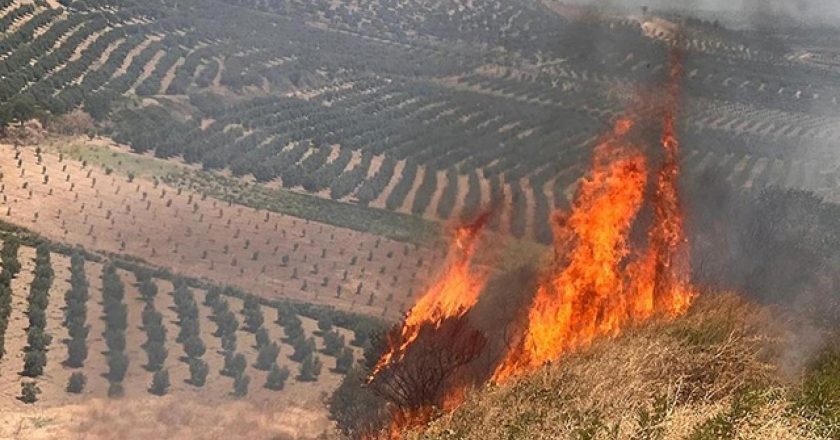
x,y
598,285
710,375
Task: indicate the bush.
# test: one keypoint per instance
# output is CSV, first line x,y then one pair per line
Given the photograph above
x,y
76,383
198,372
33,363
234,365
160,382
277,376
240,385
333,343
344,362
194,347
267,356
117,366
310,369
29,392
76,352
262,338
115,390
354,408
303,349
156,354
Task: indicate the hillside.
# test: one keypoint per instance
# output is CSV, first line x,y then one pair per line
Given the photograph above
x,y
423,108
212,211
727,370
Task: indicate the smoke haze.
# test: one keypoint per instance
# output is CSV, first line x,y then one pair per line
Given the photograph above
x,y
754,12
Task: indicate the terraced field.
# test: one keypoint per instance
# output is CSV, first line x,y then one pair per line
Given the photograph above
x,y
263,252
454,106
298,403
310,155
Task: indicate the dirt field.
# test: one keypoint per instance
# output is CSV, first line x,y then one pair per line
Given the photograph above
x,y
266,253
186,411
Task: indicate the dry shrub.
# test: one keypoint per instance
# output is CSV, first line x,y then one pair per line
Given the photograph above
x,y
712,369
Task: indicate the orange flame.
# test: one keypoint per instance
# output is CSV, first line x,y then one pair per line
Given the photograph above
x,y
453,295
592,290
579,302
661,277
593,294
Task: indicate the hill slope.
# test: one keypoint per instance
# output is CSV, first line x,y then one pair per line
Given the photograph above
x,y
722,372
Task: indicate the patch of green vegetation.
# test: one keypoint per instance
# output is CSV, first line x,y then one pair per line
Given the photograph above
x,y
519,428
818,401
396,226
41,422
724,425
124,163
393,225
651,421
590,424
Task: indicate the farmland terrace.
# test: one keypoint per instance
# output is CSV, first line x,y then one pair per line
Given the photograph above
x,y
222,199
424,108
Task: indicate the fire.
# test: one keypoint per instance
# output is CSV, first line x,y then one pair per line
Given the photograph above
x,y
597,286
580,301
594,293
452,296
661,276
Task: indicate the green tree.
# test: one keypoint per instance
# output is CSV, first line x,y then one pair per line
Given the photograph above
x,y
344,362
198,372
194,347
156,354
76,352
234,365
277,376
262,338
240,385
303,349
115,390
310,369
29,392
23,108
160,382
76,383
325,322
333,343
117,366
33,363
267,356
355,409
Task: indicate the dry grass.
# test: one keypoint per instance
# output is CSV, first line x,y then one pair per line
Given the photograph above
x,y
710,375
163,418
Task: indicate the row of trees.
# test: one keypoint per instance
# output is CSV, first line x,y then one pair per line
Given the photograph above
x,y
116,322
189,334
37,338
75,313
226,327
267,350
155,344
304,348
11,267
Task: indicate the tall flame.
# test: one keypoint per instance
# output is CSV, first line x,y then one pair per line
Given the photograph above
x,y
593,293
597,285
582,300
451,296
661,277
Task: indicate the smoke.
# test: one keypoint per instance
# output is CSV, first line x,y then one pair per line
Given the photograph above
x,y
757,13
